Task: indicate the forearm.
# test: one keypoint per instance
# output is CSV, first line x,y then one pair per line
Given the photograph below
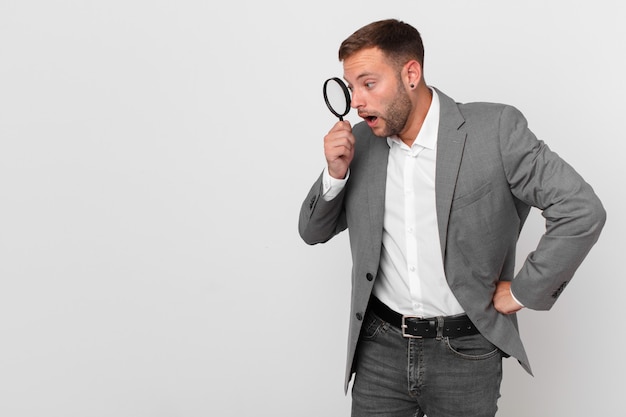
x,y
320,219
549,268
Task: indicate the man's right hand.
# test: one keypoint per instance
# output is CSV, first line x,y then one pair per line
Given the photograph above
x,y
339,149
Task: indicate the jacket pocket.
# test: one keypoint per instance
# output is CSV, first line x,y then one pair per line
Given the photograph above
x,y
471,197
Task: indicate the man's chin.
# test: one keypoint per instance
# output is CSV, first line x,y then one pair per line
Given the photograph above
x,y
381,132
378,127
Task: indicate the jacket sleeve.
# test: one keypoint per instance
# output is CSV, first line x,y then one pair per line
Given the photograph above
x,y
320,220
574,215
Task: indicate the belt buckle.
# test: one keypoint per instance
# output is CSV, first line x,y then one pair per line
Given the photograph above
x,y
405,326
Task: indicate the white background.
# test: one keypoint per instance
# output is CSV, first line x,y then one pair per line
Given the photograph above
x,y
153,158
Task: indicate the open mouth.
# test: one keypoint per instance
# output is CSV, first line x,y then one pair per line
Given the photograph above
x,y
370,120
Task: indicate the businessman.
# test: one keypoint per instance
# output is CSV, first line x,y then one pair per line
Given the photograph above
x,y
434,194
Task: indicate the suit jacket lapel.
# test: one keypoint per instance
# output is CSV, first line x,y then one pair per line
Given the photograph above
x,y
378,157
450,144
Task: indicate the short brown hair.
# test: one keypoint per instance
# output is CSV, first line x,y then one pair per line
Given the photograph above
x,y
399,41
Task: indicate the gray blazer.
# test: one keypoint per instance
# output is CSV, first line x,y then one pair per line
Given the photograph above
x,y
490,170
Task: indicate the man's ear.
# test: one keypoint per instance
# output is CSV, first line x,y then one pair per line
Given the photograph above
x,y
412,74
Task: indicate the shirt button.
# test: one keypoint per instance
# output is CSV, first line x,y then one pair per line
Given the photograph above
x,y
369,276
412,268
359,316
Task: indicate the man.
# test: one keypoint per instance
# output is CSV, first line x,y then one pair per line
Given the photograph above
x,y
434,195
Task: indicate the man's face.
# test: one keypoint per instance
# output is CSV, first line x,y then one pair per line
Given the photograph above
x,y
377,93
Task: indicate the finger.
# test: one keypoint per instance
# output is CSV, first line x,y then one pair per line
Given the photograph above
x,y
341,126
334,151
338,139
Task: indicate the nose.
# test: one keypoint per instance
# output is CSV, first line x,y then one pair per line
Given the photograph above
x,y
356,100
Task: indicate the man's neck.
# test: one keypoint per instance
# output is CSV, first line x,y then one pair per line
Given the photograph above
x,y
422,99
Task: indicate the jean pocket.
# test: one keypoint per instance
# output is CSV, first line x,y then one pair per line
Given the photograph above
x,y
372,327
474,347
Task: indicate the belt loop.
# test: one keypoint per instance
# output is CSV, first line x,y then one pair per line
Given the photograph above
x,y
439,327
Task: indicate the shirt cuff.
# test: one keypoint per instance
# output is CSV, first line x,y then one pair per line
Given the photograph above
x,y
331,187
515,298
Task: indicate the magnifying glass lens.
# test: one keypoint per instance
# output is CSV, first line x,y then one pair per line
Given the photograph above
x,y
337,97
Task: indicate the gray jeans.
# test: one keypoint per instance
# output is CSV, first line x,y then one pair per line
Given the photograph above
x,y
400,377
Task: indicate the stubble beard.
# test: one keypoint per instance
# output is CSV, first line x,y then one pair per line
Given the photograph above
x,y
397,113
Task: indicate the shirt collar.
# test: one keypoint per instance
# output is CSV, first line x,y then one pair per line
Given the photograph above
x,y
427,136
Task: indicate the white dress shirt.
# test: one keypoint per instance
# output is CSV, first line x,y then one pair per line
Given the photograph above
x,y
411,278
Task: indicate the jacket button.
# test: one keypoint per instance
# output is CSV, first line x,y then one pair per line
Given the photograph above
x,y
369,276
359,316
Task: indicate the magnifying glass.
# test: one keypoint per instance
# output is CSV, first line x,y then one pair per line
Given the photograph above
x,y
337,97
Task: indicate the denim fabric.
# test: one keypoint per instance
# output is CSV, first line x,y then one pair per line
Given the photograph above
x,y
400,377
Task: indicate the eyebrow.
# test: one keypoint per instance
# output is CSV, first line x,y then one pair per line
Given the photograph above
x,y
363,75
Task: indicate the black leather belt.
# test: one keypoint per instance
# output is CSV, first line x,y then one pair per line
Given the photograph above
x,y
416,327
